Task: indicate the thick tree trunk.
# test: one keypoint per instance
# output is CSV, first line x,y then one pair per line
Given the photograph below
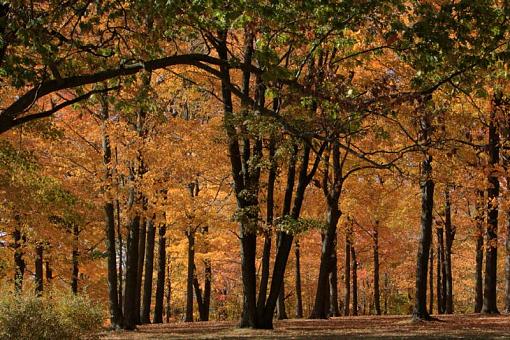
x,y
491,250
160,283
299,296
149,271
354,282
334,310
39,269
377,293
427,203
450,236
130,292
191,275
347,273
75,259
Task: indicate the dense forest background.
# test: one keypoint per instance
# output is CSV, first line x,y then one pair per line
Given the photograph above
x,y
229,160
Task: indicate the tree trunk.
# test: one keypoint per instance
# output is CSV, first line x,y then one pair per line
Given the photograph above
x,y
347,273
439,271
449,235
121,256
140,265
149,270
168,294
354,282
491,250
130,292
39,269
377,293
431,282
333,283
507,257
49,272
280,309
75,259
116,318
427,204
206,299
191,275
480,216
160,283
299,297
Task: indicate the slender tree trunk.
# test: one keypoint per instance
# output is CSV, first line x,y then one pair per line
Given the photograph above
x,y
206,299
449,235
431,282
141,260
386,292
116,318
191,274
121,256
299,297
354,282
479,220
439,292
377,293
347,275
130,291
507,257
168,311
39,250
280,310
149,271
491,250
75,259
160,283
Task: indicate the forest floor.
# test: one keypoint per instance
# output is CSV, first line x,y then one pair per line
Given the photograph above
x,y
472,326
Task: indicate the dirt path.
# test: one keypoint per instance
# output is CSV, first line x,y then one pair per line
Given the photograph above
x,y
366,327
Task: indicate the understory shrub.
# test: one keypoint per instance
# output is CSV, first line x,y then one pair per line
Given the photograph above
x,y
28,316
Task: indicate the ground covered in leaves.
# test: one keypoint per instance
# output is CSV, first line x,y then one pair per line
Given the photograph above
x,y
367,327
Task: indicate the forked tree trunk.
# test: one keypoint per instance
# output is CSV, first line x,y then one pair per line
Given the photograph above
x,y
160,283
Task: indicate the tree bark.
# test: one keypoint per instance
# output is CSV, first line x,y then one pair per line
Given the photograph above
x,y
19,262
39,269
491,250
299,296
431,281
140,265
168,294
191,275
130,292
347,273
507,257
49,272
439,271
427,204
377,293
121,256
354,282
149,271
479,251
160,283
75,259
449,237
116,317
333,283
